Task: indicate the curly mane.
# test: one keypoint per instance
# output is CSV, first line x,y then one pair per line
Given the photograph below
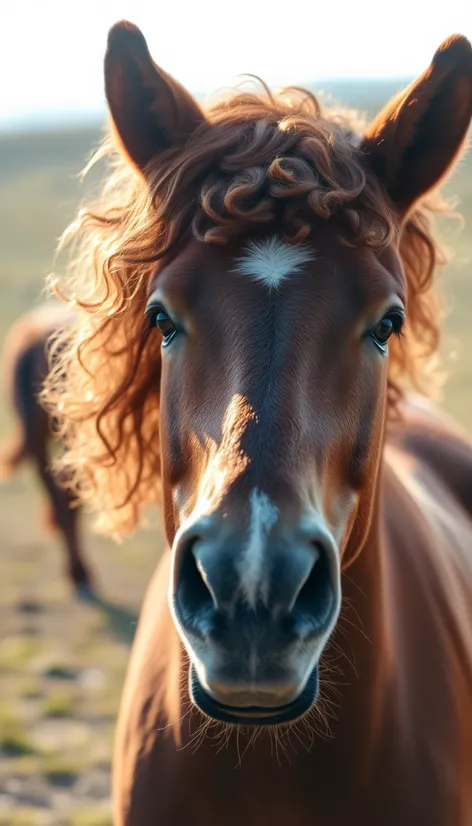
x,y
258,159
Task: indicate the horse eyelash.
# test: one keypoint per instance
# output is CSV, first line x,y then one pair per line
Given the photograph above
x,y
400,332
149,315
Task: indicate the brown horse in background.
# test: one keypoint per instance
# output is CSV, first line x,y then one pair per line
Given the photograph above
x,y
255,299
24,368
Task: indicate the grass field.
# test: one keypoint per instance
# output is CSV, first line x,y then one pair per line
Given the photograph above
x,y
62,662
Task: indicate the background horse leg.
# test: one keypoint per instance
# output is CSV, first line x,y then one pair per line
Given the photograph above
x,y
63,518
31,441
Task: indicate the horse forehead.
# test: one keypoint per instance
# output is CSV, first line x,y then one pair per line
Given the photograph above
x,y
314,270
271,260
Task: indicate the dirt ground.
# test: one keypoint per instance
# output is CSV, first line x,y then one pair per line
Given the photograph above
x,y
62,664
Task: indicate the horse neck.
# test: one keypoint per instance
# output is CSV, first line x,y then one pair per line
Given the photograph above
x,y
363,648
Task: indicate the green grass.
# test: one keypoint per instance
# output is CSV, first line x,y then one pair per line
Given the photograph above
x,y
62,662
23,817
59,705
15,740
17,651
90,817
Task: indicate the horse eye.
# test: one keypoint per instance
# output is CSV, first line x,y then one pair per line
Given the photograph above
x,y
391,323
160,319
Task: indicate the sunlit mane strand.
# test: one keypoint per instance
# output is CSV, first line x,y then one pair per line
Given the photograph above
x,y
259,160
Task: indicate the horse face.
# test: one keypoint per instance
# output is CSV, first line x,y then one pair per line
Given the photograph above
x,y
274,375
274,356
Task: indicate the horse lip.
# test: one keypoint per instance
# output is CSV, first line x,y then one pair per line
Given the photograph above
x,y
249,700
254,715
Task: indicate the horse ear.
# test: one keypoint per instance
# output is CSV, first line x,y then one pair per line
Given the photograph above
x,y
150,111
415,139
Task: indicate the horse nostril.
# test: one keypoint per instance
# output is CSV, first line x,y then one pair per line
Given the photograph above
x,y
316,598
193,592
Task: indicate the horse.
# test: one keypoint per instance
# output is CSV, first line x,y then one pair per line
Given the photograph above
x,y
254,350
24,368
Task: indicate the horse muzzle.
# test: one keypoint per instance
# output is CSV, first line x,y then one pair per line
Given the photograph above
x,y
254,620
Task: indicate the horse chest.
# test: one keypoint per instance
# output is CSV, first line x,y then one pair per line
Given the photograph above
x,y
205,787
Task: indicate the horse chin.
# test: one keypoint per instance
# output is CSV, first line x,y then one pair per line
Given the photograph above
x,y
254,715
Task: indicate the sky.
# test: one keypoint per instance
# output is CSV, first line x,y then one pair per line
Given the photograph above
x,y
51,53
